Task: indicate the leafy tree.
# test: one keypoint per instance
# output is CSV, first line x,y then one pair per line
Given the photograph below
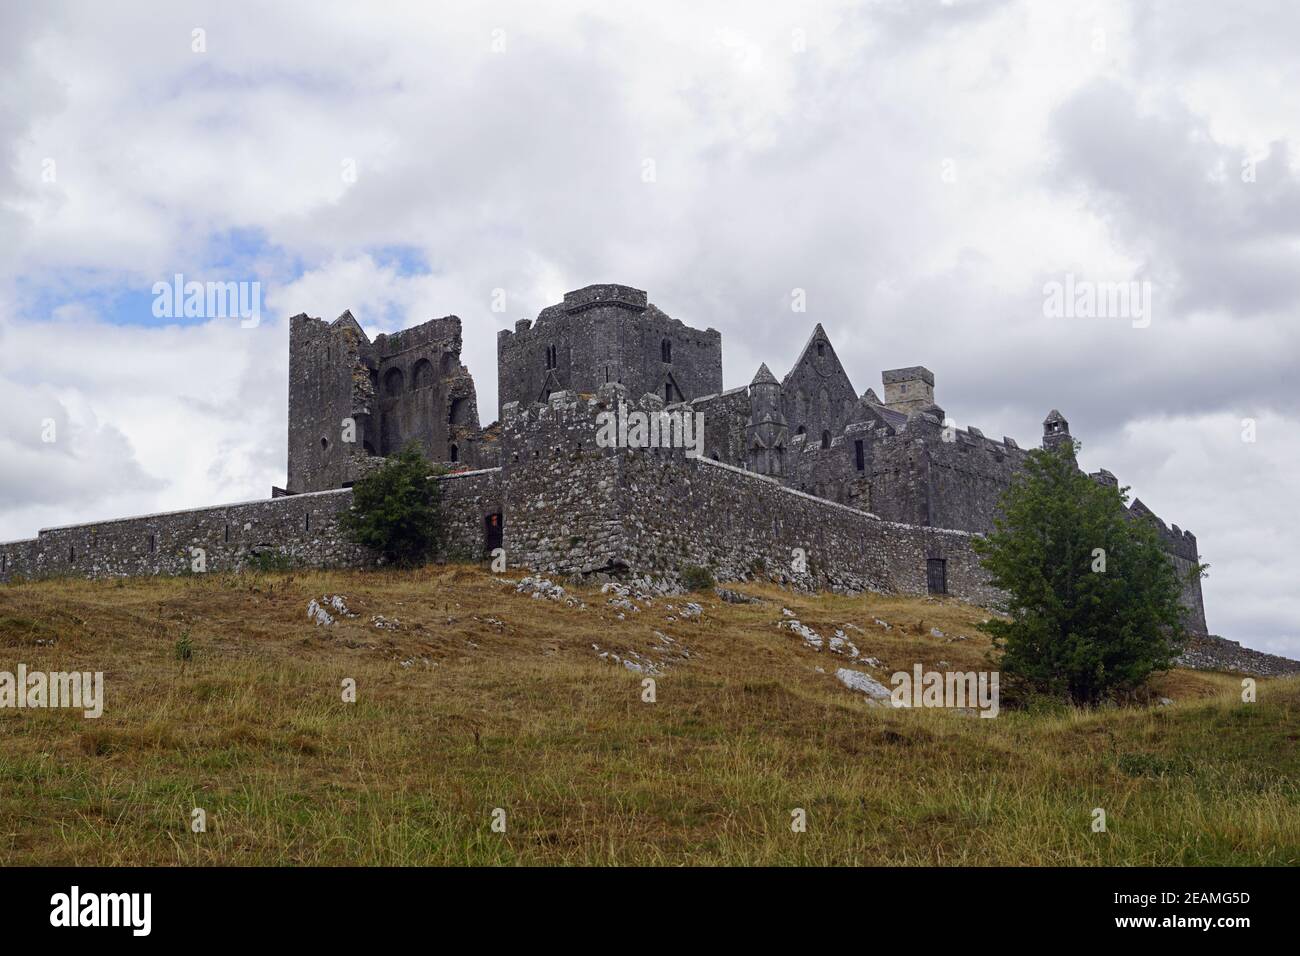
x,y
1094,600
396,509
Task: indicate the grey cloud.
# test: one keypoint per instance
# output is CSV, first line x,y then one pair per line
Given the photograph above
x,y
1155,174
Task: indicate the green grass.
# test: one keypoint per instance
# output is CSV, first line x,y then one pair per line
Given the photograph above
x,y
522,715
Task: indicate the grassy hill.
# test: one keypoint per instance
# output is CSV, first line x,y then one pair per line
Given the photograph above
x,y
474,696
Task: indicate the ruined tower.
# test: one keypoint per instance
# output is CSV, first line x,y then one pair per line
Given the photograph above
x,y
352,400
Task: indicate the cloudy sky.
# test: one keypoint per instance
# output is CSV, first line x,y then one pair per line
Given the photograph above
x,y
922,171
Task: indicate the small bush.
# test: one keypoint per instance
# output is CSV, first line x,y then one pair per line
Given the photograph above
x,y
1154,765
268,561
696,578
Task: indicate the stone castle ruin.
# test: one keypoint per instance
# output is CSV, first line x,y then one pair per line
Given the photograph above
x,y
866,493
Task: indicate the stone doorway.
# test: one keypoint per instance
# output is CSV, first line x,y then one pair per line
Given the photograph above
x,y
493,531
936,573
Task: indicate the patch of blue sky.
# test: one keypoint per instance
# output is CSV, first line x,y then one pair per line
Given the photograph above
x,y
240,256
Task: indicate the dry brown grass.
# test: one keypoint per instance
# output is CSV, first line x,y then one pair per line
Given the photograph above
x,y
502,702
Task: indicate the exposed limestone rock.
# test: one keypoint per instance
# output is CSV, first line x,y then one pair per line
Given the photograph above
x,y
863,683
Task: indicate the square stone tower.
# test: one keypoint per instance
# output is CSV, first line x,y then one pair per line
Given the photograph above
x,y
908,389
604,334
352,400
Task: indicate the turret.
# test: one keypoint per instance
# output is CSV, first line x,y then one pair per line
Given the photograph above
x,y
1056,432
908,390
766,432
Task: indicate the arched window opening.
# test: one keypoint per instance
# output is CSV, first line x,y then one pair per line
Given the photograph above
x,y
666,351
394,380
459,412
422,375
826,439
455,453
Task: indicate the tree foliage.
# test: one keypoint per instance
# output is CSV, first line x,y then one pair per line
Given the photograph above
x,y
396,509
1093,598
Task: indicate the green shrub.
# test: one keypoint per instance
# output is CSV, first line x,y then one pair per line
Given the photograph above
x,y
396,509
696,578
268,561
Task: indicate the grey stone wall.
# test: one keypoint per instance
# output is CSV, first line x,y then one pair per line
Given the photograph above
x,y
1182,549
574,507
740,524
1209,652
468,498
725,416
948,478
302,528
561,502
918,473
